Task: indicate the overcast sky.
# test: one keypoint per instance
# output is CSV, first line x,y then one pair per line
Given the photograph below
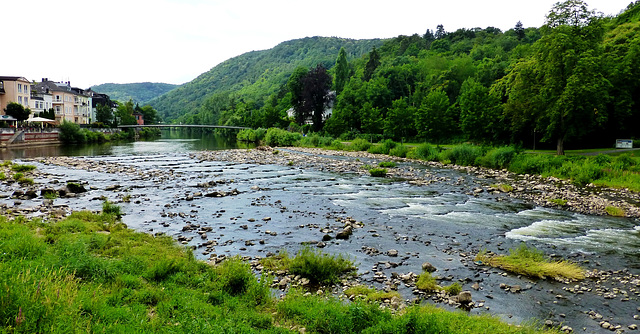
x,y
174,41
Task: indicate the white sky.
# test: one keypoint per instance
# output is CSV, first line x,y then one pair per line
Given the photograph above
x,y
173,41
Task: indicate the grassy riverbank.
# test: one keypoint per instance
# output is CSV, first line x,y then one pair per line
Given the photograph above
x,y
615,171
89,273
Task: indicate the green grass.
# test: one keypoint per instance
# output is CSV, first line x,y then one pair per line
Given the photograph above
x,y
370,294
378,172
318,267
531,262
559,201
89,273
505,188
330,315
387,164
22,168
615,211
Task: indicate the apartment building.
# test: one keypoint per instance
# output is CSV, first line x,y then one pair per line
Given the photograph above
x,y
14,89
71,104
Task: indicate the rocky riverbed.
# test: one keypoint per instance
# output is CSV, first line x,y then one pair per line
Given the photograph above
x,y
254,203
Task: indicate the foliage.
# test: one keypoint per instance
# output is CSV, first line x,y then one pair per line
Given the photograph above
x,y
531,262
426,282
383,148
386,164
464,155
104,114
359,144
425,152
22,168
251,135
111,209
498,158
71,133
278,137
319,267
615,211
399,151
17,111
378,172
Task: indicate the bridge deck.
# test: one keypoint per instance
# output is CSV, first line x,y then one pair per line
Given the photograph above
x,y
183,126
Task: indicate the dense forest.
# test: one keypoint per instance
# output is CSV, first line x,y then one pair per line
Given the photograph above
x,y
573,82
140,93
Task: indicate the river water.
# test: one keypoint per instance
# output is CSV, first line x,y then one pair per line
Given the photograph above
x,y
283,207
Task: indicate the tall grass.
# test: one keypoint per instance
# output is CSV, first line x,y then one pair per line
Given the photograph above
x,y
531,262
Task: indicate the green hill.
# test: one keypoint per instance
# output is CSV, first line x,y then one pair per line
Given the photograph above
x,y
140,93
256,75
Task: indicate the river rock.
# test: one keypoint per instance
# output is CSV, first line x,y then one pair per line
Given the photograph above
x,y
345,233
428,267
75,188
464,298
392,253
48,192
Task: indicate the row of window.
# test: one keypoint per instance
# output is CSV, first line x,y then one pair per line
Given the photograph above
x,y
26,88
42,105
25,100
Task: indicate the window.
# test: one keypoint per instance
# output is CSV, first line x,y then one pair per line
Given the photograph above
x,y
19,88
58,98
26,101
26,89
20,99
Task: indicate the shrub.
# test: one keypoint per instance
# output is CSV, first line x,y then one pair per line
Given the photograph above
x,y
378,172
18,176
399,151
623,162
279,137
71,133
499,157
425,152
464,155
586,173
387,164
359,144
318,267
337,145
22,168
109,208
426,282
453,289
384,147
535,163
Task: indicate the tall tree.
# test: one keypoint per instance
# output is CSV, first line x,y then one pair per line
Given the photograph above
x,y
479,111
372,64
571,91
316,86
341,71
432,119
399,122
296,87
519,30
440,33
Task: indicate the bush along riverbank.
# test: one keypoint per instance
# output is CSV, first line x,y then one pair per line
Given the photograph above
x,y
71,133
602,184
88,272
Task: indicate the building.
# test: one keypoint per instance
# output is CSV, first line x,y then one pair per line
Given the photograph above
x,y
14,89
99,98
139,118
70,104
41,99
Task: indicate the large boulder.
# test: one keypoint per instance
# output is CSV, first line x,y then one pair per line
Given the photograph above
x,y
428,267
75,188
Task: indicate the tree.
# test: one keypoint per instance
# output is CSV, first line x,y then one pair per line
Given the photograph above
x,y
149,114
566,75
50,114
341,71
399,121
17,111
440,33
124,114
479,111
316,85
519,30
295,86
104,114
372,64
432,118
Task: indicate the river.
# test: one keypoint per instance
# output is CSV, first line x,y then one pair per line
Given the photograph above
x,y
281,207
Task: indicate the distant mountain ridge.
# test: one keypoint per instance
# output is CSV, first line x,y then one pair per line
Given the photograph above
x,y
140,93
257,74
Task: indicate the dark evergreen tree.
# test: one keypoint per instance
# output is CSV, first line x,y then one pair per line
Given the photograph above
x,y
316,85
519,30
372,64
17,111
440,33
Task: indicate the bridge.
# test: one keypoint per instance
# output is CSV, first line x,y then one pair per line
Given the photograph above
x,y
193,126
